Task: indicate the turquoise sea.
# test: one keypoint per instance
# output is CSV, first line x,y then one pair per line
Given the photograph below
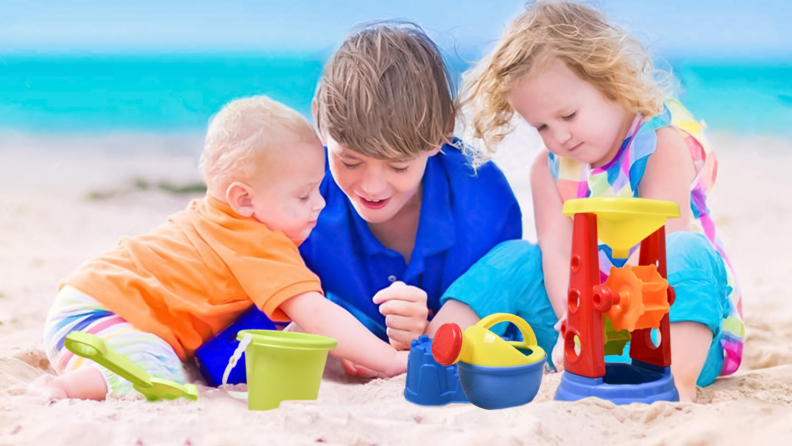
x,y
94,93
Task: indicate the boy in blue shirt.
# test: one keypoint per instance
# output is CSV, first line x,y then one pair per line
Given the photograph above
x,y
406,212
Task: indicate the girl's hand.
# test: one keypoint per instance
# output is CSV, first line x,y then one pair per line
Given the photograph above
x,y
557,356
405,311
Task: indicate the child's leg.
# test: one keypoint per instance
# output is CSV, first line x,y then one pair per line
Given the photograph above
x,y
690,345
82,378
698,275
508,279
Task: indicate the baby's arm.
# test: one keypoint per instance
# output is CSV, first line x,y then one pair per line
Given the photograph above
x,y
668,176
315,314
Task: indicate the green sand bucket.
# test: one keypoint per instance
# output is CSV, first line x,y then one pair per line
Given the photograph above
x,y
280,366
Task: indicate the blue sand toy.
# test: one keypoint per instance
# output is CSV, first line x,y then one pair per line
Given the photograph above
x,y
501,387
622,384
428,382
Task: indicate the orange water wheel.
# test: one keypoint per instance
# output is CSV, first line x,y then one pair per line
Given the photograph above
x,y
639,296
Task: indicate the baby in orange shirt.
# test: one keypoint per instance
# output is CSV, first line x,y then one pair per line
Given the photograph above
x,y
157,297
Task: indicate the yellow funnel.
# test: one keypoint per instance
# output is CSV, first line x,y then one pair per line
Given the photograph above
x,y
623,222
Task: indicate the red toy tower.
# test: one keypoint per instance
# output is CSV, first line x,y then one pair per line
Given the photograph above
x,y
635,299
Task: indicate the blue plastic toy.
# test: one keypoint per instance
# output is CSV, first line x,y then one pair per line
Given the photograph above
x,y
428,382
622,384
494,373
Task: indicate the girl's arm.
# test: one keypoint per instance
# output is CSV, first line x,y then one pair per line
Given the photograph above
x,y
554,233
318,315
668,176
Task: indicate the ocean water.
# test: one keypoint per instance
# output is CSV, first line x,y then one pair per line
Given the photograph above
x,y
95,93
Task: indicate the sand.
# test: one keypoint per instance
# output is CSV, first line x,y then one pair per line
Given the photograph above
x,y
66,198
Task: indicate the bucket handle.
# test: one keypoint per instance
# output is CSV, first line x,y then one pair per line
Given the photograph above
x,y
529,338
232,362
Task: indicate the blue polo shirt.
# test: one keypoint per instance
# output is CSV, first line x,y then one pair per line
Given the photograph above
x,y
464,214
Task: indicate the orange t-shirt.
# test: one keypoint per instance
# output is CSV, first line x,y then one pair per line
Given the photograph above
x,y
193,276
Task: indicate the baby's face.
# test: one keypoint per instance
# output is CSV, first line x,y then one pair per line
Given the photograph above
x,y
289,200
572,116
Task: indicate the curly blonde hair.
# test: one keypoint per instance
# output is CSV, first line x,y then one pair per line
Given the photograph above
x,y
386,93
597,52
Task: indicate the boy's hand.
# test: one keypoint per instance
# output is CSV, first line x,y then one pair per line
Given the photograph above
x,y
405,311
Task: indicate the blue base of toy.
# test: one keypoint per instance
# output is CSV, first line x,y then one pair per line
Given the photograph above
x,y
212,357
501,387
429,383
622,384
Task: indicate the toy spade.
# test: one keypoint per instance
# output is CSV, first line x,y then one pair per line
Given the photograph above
x,y
94,348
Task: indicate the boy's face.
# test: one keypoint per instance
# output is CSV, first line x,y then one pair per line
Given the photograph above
x,y
378,189
572,116
287,197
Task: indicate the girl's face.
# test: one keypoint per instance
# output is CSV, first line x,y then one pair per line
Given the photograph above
x,y
378,189
572,116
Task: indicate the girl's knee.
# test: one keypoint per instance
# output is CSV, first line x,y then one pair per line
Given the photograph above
x,y
515,252
687,250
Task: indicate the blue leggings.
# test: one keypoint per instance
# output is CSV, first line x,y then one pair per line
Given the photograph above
x,y
509,279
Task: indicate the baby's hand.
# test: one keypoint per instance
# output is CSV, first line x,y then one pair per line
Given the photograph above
x,y
358,370
405,311
397,366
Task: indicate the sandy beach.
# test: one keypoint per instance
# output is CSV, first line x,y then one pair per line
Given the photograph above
x,y
64,199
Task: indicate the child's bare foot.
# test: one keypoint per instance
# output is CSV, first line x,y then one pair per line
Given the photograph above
x,y
687,393
47,387
84,383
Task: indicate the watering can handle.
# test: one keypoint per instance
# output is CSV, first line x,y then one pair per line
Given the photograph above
x,y
232,362
529,338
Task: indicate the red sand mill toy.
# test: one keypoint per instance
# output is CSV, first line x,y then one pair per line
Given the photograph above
x,y
633,302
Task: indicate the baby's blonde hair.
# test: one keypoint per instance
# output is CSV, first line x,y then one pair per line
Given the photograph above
x,y
241,132
597,52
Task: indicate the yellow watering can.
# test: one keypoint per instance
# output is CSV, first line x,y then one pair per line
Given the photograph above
x,y
477,345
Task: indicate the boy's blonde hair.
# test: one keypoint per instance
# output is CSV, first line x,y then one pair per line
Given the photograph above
x,y
241,132
597,52
386,93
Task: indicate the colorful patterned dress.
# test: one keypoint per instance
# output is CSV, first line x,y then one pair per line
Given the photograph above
x,y
621,177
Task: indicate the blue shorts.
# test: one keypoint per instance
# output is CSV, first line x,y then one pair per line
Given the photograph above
x,y
509,279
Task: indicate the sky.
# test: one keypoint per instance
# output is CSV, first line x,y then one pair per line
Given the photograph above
x,y
697,28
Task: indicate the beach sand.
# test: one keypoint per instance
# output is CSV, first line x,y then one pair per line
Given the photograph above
x,y
64,199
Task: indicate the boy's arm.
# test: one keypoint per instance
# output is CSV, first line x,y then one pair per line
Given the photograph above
x,y
668,176
315,314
